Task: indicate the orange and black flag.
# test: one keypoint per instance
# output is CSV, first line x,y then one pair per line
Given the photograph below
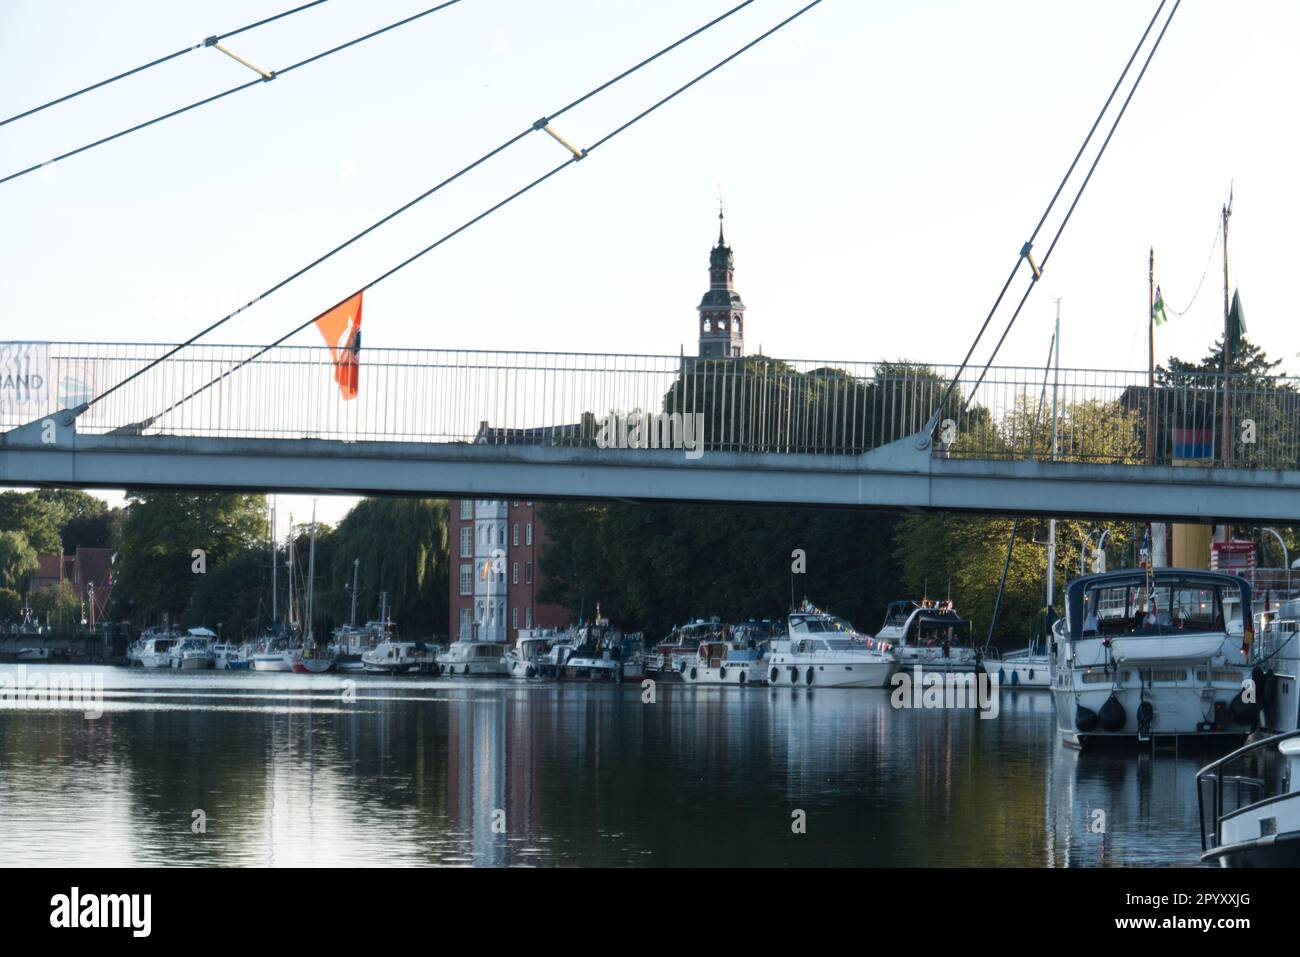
x,y
341,327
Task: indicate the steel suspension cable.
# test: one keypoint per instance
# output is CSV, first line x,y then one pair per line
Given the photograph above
x,y
161,60
1079,195
578,155
1047,211
268,75
536,125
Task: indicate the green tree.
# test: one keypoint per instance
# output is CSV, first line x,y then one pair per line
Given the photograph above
x,y
159,537
17,560
402,545
653,566
11,605
57,604
37,519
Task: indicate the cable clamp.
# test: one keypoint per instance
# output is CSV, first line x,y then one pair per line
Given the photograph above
x,y
541,124
577,153
1029,258
264,74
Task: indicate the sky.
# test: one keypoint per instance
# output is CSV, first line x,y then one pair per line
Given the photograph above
x,y
880,165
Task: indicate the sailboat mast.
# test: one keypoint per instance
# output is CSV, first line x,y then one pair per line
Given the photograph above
x,y
275,567
288,563
1056,434
311,572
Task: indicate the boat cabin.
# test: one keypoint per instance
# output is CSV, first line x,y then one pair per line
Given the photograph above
x,y
1166,601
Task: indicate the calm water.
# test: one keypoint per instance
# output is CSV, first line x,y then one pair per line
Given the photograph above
x,y
414,771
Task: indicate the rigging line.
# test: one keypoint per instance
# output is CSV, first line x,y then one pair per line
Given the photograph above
x,y
158,62
217,96
1078,196
1014,269
140,426
1015,524
425,195
1218,233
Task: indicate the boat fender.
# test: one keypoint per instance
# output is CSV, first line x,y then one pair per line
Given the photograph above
x,y
682,667
1085,719
794,675
1243,712
1265,682
810,675
775,674
693,672
1112,716
530,672
1031,674
1015,677
742,679
722,673
1144,715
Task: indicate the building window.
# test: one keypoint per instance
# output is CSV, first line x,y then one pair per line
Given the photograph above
x,y
501,534
467,579
466,508
528,534
528,617
466,542
514,618
466,629
514,574
528,573
515,535
478,611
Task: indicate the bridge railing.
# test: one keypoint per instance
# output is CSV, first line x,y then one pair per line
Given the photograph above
x,y
750,404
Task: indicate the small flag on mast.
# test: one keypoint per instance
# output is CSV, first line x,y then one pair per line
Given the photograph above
x,y
341,329
1158,310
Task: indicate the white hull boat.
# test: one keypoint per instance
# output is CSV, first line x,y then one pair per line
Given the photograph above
x,y
473,659
399,658
821,650
725,663
1164,666
1250,805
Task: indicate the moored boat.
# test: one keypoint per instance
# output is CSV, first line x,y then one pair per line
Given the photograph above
x,y
930,634
156,651
194,651
34,654
1145,653
667,660
527,657
1249,804
470,658
822,650
227,656
727,662
400,658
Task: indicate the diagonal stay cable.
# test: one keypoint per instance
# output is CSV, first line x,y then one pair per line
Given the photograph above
x,y
161,60
578,155
270,75
537,125
1052,203
1079,195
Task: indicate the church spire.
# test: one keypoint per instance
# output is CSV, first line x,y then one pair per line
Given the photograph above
x,y
721,310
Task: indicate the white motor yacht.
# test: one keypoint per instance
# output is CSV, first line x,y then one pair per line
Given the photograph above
x,y
401,658
930,634
527,657
739,659
822,650
468,658
194,651
273,654
156,651
227,656
1146,653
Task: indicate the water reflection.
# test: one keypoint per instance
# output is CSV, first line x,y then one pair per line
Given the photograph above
x,y
287,771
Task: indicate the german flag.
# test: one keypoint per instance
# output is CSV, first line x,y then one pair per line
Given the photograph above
x,y
341,329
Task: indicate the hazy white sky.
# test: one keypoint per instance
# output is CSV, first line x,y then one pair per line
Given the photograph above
x,y
881,164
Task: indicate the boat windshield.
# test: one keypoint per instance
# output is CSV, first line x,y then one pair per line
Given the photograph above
x,y
1159,602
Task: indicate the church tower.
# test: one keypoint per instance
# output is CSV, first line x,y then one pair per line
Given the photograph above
x,y
722,332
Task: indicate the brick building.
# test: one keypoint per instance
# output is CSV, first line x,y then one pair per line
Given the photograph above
x,y
496,547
